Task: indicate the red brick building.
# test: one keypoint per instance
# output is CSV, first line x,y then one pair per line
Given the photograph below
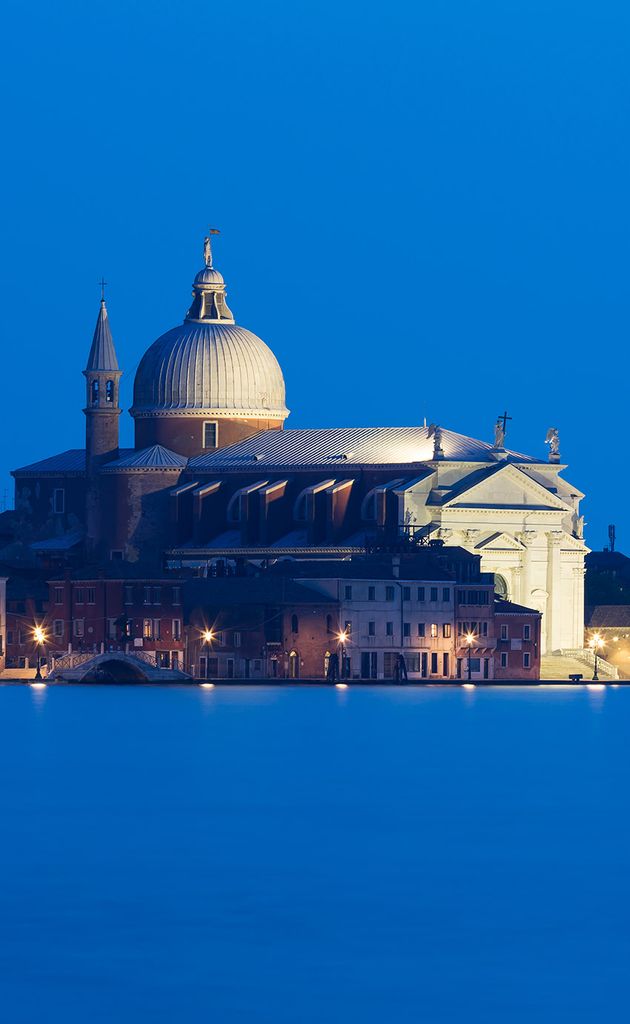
x,y
262,627
517,631
119,607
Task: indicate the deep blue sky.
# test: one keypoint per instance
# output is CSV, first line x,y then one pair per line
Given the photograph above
x,y
424,209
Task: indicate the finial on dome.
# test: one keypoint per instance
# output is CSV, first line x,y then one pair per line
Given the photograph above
x,y
207,246
102,283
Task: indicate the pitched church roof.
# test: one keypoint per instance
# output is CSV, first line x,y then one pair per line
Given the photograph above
x,y
347,446
102,353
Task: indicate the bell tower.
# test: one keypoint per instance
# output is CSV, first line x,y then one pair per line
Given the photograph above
x,y
102,410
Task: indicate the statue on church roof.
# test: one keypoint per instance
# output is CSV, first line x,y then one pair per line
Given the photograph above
x,y
553,440
500,429
436,433
499,433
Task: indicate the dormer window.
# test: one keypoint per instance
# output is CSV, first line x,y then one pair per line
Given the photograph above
x,y
94,392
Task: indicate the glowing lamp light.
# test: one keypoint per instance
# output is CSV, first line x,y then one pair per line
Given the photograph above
x,y
39,635
470,639
596,641
342,636
207,636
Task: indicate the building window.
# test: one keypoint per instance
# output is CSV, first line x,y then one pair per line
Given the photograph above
x,y
116,555
421,629
527,659
434,630
347,593
434,593
58,595
527,632
157,595
406,629
176,595
371,629
91,595
421,593
446,593
389,593
504,659
109,392
406,593
177,629
504,632
434,663
483,628
446,630
111,629
147,595
58,628
294,624
59,500
157,631
371,593
79,627
147,629
329,623
79,595
347,628
210,435
389,629
445,665
94,392
128,595
236,638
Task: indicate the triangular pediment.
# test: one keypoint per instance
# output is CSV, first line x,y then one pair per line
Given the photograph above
x,y
499,542
504,487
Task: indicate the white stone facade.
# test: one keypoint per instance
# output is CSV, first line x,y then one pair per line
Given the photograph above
x,y
524,521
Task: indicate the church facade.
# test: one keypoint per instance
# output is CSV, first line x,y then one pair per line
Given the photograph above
x,y
213,475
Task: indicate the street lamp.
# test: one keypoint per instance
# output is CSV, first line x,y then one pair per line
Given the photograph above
x,y
39,636
207,635
470,639
342,637
596,643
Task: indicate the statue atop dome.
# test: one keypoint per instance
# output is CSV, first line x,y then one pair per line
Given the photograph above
x,y
207,246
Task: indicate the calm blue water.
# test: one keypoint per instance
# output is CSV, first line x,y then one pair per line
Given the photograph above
x,y
294,856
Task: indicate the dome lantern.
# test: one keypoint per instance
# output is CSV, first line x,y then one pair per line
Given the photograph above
x,y
209,304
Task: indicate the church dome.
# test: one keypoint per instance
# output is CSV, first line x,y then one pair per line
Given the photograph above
x,y
216,367
209,364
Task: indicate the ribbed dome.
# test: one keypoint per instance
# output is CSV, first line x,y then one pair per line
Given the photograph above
x,y
210,367
209,364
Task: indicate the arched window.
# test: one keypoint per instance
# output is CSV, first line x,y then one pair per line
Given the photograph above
x,y
294,665
500,586
95,392
294,624
109,392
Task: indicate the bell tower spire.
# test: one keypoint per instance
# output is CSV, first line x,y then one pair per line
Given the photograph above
x,y
102,377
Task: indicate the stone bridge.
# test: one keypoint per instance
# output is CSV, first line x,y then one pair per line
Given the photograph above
x,y
114,667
